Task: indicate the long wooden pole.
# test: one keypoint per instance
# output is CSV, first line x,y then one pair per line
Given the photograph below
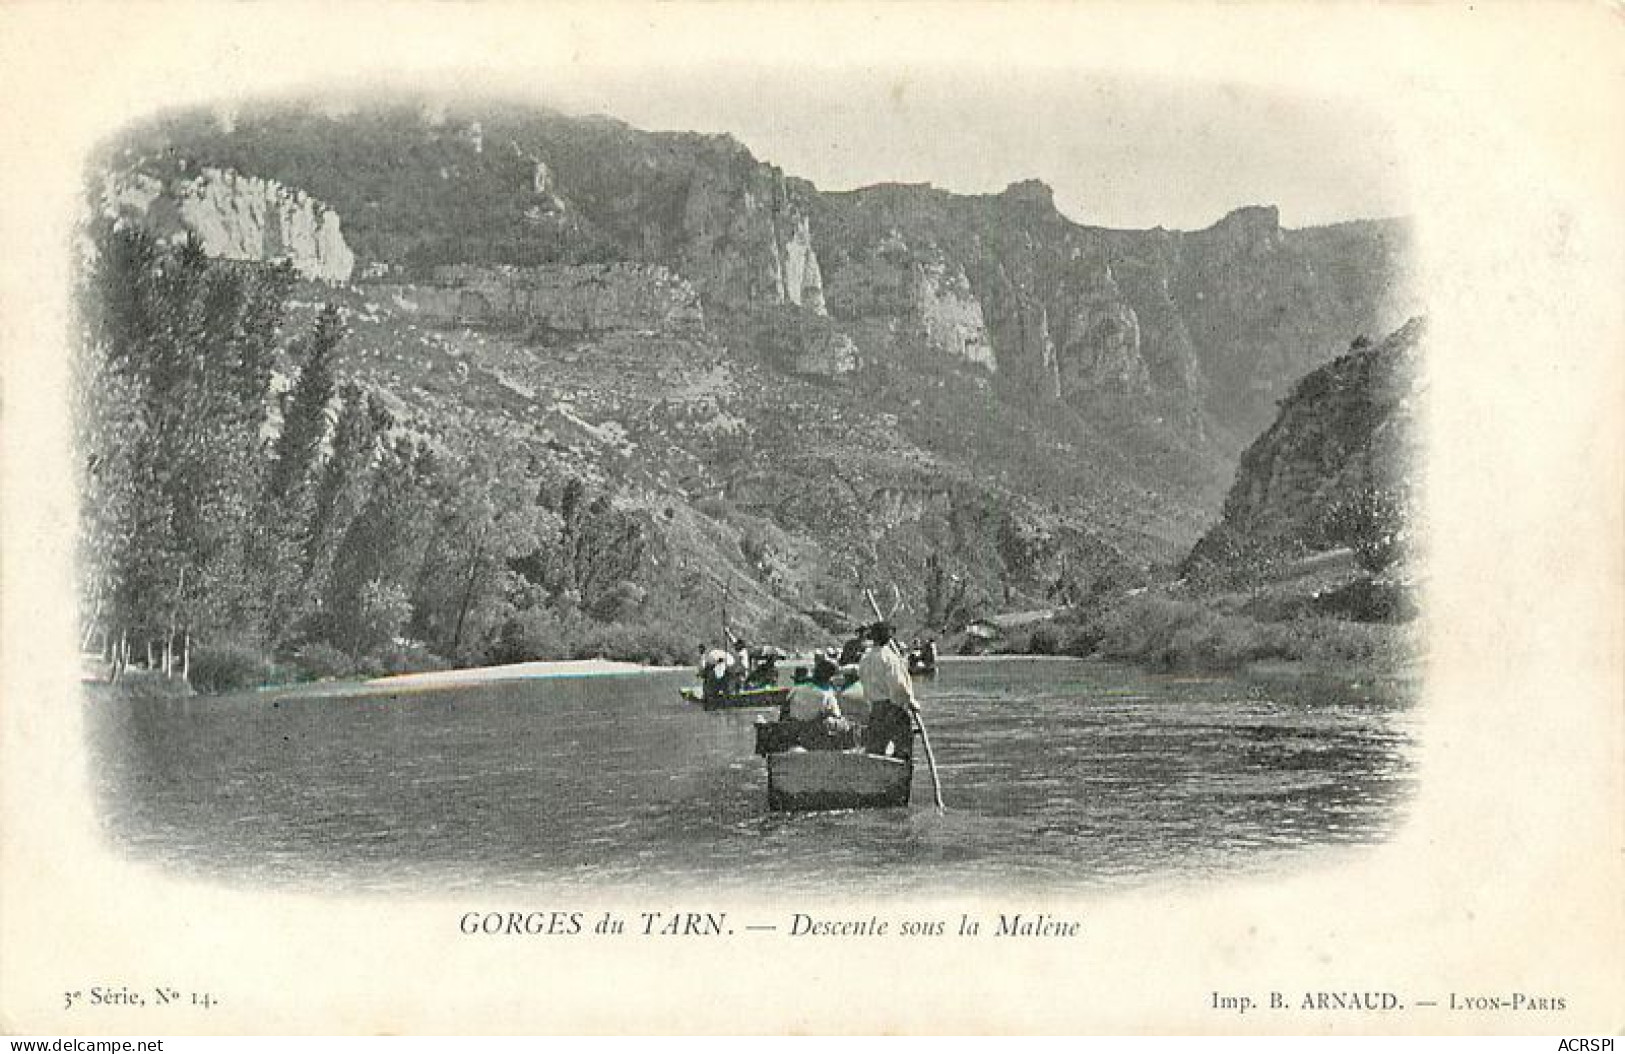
x,y
919,722
930,760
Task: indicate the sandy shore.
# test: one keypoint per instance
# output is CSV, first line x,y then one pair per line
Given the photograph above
x,y
519,671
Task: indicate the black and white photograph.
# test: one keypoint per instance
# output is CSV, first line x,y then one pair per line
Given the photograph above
x,y
699,498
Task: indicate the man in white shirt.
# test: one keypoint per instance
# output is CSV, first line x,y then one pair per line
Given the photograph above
x,y
890,692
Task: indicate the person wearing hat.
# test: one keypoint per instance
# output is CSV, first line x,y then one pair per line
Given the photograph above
x,y
890,691
739,665
816,711
714,672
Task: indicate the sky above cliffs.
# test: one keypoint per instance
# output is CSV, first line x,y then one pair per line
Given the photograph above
x,y
1119,152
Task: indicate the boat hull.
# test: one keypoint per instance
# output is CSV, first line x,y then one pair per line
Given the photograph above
x,y
751,698
812,780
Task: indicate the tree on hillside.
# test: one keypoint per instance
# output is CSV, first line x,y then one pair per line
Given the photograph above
x,y
382,549
604,547
1372,521
188,343
492,521
945,595
288,500
342,482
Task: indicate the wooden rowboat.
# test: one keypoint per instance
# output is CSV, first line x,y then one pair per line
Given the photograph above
x,y
835,774
809,780
741,700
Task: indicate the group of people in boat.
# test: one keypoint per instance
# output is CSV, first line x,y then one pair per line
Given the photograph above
x,y
738,668
812,718
920,653
814,709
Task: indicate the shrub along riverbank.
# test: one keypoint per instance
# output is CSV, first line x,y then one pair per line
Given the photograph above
x,y
235,667
1164,630
1331,617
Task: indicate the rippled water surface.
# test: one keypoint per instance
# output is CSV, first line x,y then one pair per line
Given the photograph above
x,y
1057,774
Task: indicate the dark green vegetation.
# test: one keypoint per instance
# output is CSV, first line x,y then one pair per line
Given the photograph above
x,y
587,389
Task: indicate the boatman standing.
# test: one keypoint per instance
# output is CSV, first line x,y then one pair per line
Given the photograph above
x,y
890,692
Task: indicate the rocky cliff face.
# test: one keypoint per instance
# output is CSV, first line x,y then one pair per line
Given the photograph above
x,y
1201,331
1264,305
1333,471
1102,352
947,311
871,377
562,298
498,185
1003,280
1207,328
746,237
830,354
237,217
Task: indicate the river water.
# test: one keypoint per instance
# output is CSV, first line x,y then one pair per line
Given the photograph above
x,y
1058,775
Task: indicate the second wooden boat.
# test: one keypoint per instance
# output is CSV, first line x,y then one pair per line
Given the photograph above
x,y
739,700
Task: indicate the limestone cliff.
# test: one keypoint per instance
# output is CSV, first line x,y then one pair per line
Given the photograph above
x,y
1101,352
237,217
1004,281
946,309
801,283
1207,329
500,185
746,238
924,292
1265,305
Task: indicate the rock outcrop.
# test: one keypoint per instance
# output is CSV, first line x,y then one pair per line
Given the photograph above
x,y
799,280
949,313
1263,305
1100,351
746,237
237,217
830,354
1002,280
1333,471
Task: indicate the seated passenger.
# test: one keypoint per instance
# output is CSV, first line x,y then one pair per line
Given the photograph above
x,y
714,673
764,671
738,653
814,710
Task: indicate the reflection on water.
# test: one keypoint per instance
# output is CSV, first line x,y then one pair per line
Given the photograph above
x,y
1057,774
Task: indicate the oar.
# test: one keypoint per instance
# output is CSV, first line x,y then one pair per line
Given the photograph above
x,y
930,760
919,722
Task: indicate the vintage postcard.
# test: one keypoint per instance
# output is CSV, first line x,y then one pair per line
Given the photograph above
x,y
821,518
